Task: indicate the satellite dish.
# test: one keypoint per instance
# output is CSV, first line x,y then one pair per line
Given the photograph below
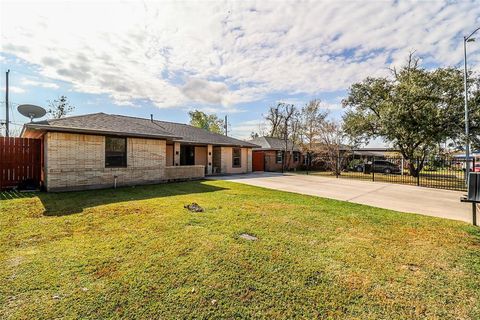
x,y
31,111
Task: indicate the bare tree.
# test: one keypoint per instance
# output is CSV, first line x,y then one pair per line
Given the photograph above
x,y
274,119
284,123
295,136
331,138
60,107
291,130
312,118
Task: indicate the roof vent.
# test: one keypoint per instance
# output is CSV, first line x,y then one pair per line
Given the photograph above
x,y
151,117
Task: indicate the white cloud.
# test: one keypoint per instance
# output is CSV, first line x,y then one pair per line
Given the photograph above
x,y
14,89
42,84
243,129
331,106
323,105
225,53
207,91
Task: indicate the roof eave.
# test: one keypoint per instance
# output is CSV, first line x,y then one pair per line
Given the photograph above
x,y
277,149
96,131
241,145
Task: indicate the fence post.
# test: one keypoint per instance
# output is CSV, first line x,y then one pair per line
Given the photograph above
x,y
372,168
308,163
418,173
336,167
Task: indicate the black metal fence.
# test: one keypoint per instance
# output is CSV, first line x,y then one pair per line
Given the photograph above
x,y
437,172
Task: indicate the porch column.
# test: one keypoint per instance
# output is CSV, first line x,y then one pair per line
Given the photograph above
x,y
249,160
176,154
209,159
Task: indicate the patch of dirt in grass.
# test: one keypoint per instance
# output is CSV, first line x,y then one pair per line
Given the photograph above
x,y
411,267
15,261
13,264
105,271
248,294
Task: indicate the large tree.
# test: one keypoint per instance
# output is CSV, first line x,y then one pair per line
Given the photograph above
x,y
414,110
205,121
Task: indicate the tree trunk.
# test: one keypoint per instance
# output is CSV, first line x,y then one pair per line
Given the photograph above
x,y
412,169
415,170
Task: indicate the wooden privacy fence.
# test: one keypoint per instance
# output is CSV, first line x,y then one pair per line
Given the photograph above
x,y
20,162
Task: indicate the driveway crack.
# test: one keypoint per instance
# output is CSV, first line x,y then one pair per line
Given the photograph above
x,y
367,192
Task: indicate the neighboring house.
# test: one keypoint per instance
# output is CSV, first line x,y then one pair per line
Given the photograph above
x,y
270,155
373,153
102,150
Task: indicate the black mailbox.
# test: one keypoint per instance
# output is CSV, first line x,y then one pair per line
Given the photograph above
x,y
474,187
473,194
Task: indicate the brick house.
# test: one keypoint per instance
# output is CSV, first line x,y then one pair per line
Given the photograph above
x,y
270,155
102,150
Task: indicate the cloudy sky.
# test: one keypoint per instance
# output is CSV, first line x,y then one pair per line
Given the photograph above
x,y
228,57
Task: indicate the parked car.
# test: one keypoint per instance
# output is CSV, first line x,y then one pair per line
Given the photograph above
x,y
382,166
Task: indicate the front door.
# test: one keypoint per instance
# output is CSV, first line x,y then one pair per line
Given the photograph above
x,y
258,161
187,155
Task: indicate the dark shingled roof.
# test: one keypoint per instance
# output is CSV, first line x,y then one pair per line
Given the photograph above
x,y
102,123
271,143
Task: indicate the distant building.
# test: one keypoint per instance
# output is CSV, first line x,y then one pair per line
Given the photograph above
x,y
367,153
271,155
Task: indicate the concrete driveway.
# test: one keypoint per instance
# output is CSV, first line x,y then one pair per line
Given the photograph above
x,y
426,201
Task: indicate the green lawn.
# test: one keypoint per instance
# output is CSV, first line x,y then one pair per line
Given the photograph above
x,y
137,253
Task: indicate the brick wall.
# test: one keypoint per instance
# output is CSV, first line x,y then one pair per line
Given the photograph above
x,y
185,172
201,156
77,161
272,165
226,160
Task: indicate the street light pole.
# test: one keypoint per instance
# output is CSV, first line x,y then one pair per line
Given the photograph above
x,y
465,88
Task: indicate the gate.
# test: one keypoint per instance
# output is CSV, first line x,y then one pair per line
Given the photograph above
x,y
258,161
20,162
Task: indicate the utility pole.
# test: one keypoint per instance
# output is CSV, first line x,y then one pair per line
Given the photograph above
x,y
225,126
467,142
7,117
465,88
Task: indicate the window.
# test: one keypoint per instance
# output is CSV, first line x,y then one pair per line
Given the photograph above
x,y
305,159
236,157
115,152
296,156
279,157
187,155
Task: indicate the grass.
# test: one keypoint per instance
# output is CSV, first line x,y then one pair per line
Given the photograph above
x,y
137,253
